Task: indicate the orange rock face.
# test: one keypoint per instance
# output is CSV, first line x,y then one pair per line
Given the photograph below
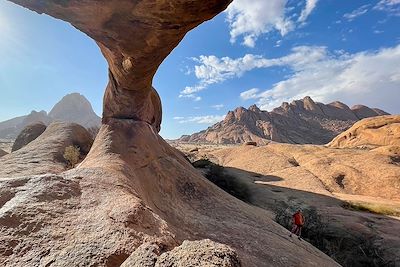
x,y
370,132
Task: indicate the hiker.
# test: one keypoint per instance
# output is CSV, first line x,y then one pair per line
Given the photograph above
x,y
298,222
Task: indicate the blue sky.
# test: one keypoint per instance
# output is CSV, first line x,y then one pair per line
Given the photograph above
x,y
258,51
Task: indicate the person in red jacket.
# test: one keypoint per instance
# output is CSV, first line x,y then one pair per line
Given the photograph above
x,y
298,222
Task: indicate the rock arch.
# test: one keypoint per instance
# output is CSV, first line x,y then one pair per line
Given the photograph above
x,y
135,36
133,188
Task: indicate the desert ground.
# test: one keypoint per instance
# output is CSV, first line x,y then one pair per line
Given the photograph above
x,y
283,177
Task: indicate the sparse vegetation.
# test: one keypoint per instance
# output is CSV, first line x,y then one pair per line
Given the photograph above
x,y
346,249
230,184
395,160
72,155
339,179
202,163
293,162
372,208
314,227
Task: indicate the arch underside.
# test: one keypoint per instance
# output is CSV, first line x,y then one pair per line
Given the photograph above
x,y
135,36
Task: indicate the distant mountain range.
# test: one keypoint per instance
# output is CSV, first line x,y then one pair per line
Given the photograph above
x,y
300,122
71,108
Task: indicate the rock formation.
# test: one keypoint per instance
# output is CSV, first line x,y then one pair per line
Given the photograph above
x,y
30,133
300,122
77,109
73,108
190,253
45,153
371,132
132,188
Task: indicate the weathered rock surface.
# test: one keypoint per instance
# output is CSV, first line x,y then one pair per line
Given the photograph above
x,y
199,254
2,153
281,177
191,253
45,153
133,188
130,191
371,132
300,122
144,256
30,133
74,108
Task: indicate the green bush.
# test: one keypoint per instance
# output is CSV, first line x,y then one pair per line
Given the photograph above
x,y
72,155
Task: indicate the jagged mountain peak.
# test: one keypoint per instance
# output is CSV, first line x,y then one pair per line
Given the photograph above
x,y
254,108
302,121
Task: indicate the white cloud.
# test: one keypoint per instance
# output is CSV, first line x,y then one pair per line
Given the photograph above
x,y
216,70
208,119
251,20
193,89
190,96
179,118
249,94
390,6
218,107
370,78
356,13
310,5
259,17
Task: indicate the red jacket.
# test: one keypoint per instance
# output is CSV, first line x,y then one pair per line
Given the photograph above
x,y
298,218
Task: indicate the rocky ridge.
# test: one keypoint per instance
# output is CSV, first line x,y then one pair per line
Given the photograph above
x,y
300,122
370,133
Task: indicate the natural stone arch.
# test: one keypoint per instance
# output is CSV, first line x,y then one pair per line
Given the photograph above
x,y
133,188
135,36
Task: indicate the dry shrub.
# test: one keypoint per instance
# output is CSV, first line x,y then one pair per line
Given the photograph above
x,y
348,249
230,184
372,208
72,155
